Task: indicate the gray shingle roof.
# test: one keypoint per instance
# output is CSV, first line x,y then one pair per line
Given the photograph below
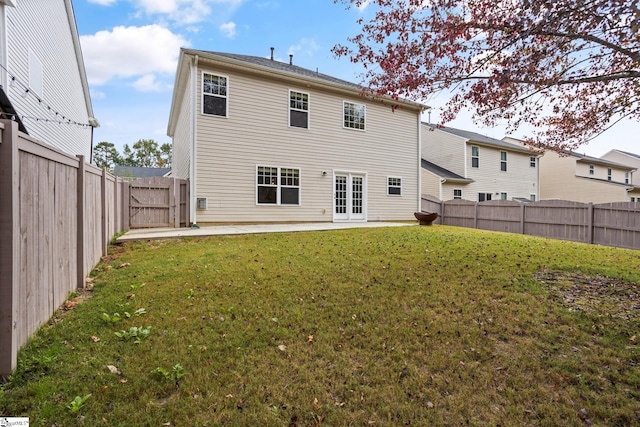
x,y
479,138
442,172
284,66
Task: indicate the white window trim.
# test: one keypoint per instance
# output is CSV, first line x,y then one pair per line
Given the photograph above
x,y
394,186
533,197
506,195
308,110
279,185
533,162
454,194
505,161
475,157
609,174
203,94
365,115
592,170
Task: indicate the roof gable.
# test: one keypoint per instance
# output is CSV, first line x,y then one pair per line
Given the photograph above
x,y
473,137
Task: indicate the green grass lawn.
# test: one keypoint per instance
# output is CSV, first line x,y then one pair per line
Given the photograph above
x,y
365,327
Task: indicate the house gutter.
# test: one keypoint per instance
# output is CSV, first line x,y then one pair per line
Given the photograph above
x,y
419,162
192,163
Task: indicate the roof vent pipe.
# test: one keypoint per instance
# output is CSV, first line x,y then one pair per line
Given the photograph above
x,y
272,49
291,59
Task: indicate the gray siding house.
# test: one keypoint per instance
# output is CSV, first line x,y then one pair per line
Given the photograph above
x,y
459,164
268,141
42,74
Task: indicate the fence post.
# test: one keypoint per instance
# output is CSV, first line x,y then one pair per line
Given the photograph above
x,y
475,216
105,228
80,241
9,245
522,216
126,200
590,225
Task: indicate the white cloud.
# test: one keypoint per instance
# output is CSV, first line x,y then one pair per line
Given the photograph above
x,y
130,52
147,83
305,46
186,12
103,2
363,5
229,29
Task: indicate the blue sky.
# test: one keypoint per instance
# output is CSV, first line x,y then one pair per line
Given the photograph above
x,y
131,48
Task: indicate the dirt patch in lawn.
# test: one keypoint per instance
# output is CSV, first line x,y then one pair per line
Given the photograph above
x,y
593,294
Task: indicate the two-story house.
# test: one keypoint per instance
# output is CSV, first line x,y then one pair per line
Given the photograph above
x,y
458,164
624,158
267,141
581,178
44,85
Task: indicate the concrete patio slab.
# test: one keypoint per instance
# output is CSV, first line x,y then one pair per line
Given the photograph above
x,y
221,230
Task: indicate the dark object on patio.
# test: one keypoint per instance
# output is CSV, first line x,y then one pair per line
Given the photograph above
x,y
426,218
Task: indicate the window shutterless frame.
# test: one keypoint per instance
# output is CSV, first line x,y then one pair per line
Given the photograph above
x,y
215,94
277,186
354,115
298,109
394,186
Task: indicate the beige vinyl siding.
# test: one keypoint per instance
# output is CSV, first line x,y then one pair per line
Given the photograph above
x,y
624,159
445,150
431,184
43,28
257,133
181,161
519,180
562,177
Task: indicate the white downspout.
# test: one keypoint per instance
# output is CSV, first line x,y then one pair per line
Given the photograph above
x,y
194,114
419,162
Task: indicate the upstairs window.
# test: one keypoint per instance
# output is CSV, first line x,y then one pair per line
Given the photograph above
x,y
609,172
626,177
298,109
503,161
457,193
354,115
592,170
394,186
532,161
475,157
278,186
214,95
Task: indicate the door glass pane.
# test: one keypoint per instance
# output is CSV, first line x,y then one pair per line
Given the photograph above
x,y
341,194
356,197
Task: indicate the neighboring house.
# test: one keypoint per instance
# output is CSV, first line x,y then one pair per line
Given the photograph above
x,y
625,158
267,141
43,76
130,173
581,178
458,164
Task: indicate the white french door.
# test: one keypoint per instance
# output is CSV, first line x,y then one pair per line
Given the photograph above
x,y
349,194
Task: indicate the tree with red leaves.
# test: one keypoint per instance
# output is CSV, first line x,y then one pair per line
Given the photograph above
x,y
568,68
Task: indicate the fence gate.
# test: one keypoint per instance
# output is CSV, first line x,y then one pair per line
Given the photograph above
x,y
157,202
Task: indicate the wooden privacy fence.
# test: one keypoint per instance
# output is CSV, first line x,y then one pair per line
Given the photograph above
x,y
157,202
609,224
57,216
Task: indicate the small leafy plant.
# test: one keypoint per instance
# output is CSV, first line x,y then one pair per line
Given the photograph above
x,y
176,373
115,317
190,293
77,403
136,313
138,334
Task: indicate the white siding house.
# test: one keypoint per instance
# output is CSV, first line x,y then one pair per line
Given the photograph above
x,y
42,74
459,164
268,141
581,178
